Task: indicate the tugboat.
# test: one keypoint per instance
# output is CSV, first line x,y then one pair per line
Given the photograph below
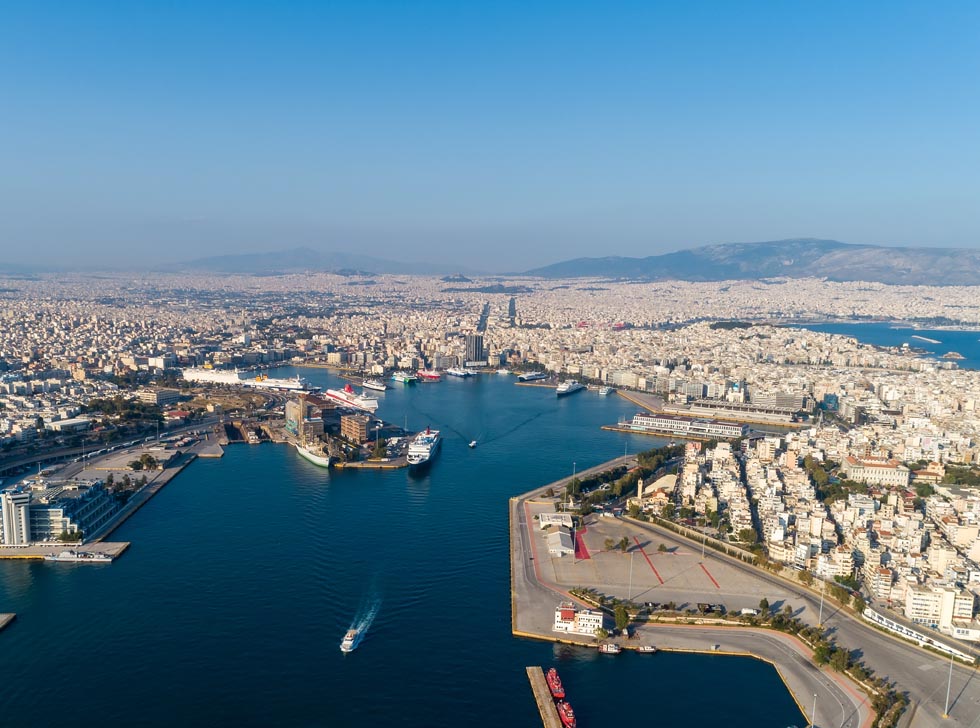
x,y
554,684
566,714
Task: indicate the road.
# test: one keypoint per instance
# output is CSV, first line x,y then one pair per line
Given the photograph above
x,y
917,672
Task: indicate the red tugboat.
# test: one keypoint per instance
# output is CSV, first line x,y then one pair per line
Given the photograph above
x,y
566,714
554,684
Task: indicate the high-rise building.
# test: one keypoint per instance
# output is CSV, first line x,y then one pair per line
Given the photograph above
x,y
15,518
474,348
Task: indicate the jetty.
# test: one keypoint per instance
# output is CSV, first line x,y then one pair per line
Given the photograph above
x,y
542,696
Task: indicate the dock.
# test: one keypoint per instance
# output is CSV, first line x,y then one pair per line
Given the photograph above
x,y
37,552
542,696
6,619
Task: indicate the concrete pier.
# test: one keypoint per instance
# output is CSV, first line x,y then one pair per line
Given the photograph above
x,y
542,696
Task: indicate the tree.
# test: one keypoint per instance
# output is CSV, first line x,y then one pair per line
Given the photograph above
x,y
748,535
805,577
601,634
840,660
609,544
668,511
136,465
550,493
764,605
624,544
634,510
149,462
822,653
858,603
574,486
70,536
621,617
662,548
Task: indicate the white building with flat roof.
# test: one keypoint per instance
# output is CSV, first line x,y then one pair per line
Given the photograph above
x,y
583,621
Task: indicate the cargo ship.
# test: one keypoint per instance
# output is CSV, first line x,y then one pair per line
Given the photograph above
x,y
554,684
349,398
317,458
569,387
423,447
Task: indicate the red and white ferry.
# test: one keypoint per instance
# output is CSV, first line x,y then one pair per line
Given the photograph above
x,y
429,376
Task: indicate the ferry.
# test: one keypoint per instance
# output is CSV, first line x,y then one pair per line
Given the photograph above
x,y
531,377
610,648
566,714
503,371
604,391
349,641
349,398
429,376
458,372
554,684
404,377
376,384
317,458
569,387
83,557
423,447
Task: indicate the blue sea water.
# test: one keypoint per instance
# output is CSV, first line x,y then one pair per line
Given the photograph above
x,y
966,343
245,572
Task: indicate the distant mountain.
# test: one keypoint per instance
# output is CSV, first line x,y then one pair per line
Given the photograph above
x,y
299,260
796,258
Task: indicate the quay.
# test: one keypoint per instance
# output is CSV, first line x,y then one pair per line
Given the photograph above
x,y
661,435
6,619
542,696
39,551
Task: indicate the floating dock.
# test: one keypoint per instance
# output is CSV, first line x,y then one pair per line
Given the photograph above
x,y
542,696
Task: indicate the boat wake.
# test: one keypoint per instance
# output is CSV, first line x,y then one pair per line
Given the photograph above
x,y
365,616
516,427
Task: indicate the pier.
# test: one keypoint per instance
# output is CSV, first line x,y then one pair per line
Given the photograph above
x,y
542,696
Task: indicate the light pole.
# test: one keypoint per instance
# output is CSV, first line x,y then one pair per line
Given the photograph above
x,y
630,597
949,686
813,714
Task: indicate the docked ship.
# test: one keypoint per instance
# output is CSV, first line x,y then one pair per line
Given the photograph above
x,y
427,375
566,714
554,684
83,557
610,648
423,447
349,398
569,387
531,377
404,377
604,391
458,372
234,377
503,371
350,641
376,384
317,458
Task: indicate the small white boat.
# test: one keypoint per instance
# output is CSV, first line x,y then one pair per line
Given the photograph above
x,y
349,641
610,648
646,648
473,443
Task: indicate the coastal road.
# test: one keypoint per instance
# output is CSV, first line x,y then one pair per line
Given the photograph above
x,y
921,674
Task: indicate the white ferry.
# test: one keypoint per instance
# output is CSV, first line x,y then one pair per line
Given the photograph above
x,y
569,387
531,377
376,384
404,377
458,372
349,398
604,391
423,447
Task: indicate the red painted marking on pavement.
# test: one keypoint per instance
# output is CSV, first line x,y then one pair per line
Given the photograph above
x,y
580,551
705,569
657,573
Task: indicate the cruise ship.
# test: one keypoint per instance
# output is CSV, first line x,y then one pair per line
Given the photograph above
x,y
569,387
349,398
315,457
531,377
458,372
423,447
376,384
234,377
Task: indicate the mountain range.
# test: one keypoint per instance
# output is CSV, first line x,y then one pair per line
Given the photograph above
x,y
795,258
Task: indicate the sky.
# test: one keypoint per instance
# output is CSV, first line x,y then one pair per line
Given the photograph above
x,y
496,135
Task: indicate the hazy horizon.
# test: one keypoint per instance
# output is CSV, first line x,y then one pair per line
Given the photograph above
x,y
495,138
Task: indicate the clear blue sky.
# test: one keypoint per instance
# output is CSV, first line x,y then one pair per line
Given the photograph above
x,y
499,135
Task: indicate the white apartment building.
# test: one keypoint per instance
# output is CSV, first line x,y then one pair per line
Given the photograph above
x,y
938,606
